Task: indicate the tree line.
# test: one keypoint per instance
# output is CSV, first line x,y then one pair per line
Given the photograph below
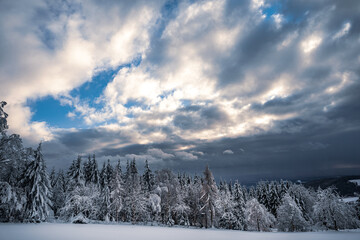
x,y
85,192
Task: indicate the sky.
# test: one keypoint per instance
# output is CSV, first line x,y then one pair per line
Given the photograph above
x,y
255,89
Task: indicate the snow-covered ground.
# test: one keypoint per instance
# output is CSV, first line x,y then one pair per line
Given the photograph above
x,y
58,231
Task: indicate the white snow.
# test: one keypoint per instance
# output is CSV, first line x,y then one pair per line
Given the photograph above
x,y
350,199
57,231
356,181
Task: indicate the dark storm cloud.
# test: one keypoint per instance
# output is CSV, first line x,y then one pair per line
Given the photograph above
x,y
199,117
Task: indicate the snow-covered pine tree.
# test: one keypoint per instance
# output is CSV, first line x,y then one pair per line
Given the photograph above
x,y
87,170
109,171
134,203
239,207
38,189
225,207
117,193
52,177
193,201
102,176
105,207
274,198
209,194
12,153
12,156
76,174
11,203
59,193
290,217
147,178
263,194
94,178
257,216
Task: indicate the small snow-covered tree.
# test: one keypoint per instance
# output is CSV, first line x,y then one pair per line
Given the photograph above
x,y
290,217
38,189
81,201
209,194
257,216
332,213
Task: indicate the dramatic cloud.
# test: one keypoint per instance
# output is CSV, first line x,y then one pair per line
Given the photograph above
x,y
256,89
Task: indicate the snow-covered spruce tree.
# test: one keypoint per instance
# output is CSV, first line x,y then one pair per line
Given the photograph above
x,y
105,207
274,198
12,153
173,208
12,156
147,178
134,203
290,217
38,189
239,206
87,170
109,171
257,216
76,174
193,200
263,194
209,194
332,213
94,173
225,208
81,201
11,203
117,193
59,193
105,204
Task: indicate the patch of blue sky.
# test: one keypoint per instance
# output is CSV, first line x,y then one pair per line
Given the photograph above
x,y
276,8
167,93
186,102
93,89
272,9
168,12
49,110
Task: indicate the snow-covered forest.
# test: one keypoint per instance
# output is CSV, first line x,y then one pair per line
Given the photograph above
x,y
86,192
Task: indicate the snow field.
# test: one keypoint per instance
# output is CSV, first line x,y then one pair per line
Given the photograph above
x,y
57,231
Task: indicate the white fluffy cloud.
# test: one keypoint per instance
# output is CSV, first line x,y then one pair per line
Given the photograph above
x,y
58,51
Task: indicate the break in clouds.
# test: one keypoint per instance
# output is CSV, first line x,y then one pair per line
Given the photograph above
x,y
256,89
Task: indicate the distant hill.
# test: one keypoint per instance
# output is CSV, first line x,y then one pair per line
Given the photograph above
x,y
342,184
